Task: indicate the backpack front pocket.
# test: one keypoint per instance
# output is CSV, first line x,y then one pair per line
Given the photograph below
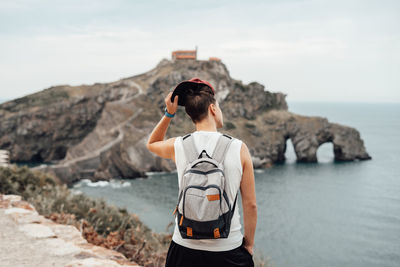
x,y
202,203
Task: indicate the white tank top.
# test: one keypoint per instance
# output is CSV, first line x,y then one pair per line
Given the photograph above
x,y
233,171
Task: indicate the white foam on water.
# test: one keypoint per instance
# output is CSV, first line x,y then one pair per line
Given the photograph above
x,y
114,183
98,183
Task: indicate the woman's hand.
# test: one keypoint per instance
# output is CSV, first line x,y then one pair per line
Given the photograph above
x,y
171,107
249,249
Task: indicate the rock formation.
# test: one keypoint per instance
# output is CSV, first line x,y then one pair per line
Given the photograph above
x,y
46,243
100,131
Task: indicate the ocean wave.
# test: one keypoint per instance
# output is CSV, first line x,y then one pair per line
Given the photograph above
x,y
119,183
113,183
159,173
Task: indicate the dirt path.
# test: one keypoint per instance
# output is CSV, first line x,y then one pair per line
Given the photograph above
x,y
19,249
28,239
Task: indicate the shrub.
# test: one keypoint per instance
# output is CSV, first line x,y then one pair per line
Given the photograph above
x,y
229,125
249,125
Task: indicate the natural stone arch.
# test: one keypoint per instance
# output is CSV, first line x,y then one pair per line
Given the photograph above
x,y
308,135
288,149
329,147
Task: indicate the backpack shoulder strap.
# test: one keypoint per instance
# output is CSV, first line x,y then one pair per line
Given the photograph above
x,y
189,148
222,147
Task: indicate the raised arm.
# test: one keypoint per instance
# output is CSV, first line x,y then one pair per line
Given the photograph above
x,y
156,143
248,193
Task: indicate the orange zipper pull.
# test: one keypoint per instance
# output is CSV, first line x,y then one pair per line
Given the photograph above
x,y
173,213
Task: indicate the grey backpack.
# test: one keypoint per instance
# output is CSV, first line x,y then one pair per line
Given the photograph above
x,y
204,210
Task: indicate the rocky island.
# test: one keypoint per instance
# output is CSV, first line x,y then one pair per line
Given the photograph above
x,y
100,131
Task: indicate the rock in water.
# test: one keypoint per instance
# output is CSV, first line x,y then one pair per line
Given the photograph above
x,y
100,131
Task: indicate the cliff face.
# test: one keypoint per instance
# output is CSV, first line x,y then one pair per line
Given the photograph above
x,y
100,131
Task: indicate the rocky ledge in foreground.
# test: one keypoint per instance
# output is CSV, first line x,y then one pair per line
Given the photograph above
x,y
100,131
52,244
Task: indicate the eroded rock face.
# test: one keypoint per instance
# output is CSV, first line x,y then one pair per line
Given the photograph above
x,y
45,133
100,131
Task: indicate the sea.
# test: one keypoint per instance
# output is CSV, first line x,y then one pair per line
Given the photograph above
x,y
309,214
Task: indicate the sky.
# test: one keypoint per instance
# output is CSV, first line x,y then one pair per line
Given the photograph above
x,y
322,51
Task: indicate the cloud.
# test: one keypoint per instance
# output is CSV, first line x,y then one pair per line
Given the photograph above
x,y
307,49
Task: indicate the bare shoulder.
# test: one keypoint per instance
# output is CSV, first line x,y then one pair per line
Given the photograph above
x,y
247,182
245,156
